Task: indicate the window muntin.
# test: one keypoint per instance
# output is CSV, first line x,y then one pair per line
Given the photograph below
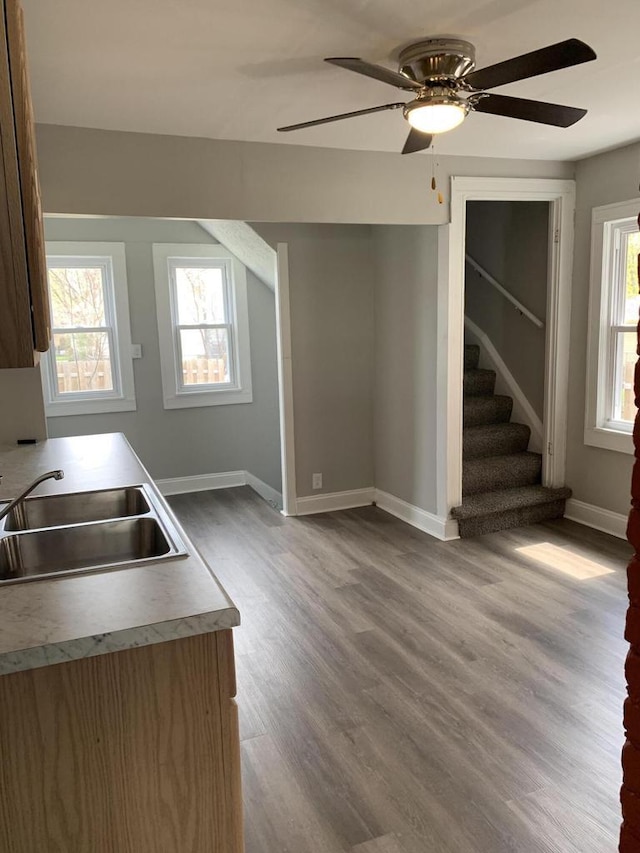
x,y
613,316
203,325
88,368
203,312
622,243
83,351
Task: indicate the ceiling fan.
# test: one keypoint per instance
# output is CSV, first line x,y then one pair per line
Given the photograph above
x,y
440,73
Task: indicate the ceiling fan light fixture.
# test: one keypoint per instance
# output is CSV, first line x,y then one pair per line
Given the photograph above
x,y
436,115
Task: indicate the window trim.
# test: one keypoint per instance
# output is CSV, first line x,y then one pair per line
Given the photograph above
x,y
600,430
122,398
175,395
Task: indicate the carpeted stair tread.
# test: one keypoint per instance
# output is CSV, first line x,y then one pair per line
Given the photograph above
x,y
471,356
478,382
487,409
501,479
505,500
494,473
495,440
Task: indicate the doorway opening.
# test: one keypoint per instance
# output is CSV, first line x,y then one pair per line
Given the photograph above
x,y
478,225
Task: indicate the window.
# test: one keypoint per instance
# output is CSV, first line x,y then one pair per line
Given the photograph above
x,y
88,368
203,324
613,317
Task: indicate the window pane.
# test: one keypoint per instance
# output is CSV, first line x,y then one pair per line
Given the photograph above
x,y
623,406
200,295
205,356
77,296
632,299
82,362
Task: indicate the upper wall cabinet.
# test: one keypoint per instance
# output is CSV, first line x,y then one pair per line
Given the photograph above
x,y
24,301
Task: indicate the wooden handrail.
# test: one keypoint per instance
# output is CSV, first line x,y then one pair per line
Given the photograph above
x,y
515,302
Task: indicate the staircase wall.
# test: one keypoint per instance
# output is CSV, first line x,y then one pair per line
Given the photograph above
x,y
510,240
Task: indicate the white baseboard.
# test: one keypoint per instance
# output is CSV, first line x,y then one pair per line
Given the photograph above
x,y
444,529
263,489
523,411
201,482
333,501
224,480
594,516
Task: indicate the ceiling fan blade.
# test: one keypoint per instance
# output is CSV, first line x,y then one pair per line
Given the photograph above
x,y
539,111
378,72
339,117
564,54
416,141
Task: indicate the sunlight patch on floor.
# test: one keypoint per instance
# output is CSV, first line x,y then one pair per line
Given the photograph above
x,y
564,560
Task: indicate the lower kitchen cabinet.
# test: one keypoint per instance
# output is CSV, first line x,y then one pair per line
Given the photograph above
x,y
135,751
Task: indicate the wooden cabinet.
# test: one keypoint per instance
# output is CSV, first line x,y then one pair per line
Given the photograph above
x,y
24,303
131,752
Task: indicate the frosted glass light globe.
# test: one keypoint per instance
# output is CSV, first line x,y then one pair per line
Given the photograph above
x,y
435,118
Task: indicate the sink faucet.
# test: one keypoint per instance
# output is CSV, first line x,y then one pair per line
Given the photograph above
x,y
50,475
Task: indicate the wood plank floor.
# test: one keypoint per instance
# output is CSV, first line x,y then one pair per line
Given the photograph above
x,y
404,695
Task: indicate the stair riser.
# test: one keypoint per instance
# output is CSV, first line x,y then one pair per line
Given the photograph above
x,y
512,518
479,384
489,409
491,441
483,476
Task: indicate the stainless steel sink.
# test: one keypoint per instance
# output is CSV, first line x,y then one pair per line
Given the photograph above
x,y
108,543
58,510
92,531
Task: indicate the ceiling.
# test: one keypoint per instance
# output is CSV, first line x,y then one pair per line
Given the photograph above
x,y
237,69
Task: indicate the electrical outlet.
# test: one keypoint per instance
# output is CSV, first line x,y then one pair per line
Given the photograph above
x,y
316,481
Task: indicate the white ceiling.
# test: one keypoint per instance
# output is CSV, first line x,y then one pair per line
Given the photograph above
x,y
237,69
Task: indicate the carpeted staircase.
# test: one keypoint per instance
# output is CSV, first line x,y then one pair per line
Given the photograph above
x,y
501,479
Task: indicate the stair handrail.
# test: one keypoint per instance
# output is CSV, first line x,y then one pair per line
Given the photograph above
x,y
515,302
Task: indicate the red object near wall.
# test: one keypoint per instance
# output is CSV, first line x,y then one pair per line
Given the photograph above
x,y
630,793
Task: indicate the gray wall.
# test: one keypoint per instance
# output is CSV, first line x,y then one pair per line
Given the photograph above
x,y
183,442
21,405
135,174
510,240
94,171
86,171
406,362
597,476
331,291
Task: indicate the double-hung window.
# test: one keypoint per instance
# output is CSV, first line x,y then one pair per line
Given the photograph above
x,y
613,317
88,368
203,325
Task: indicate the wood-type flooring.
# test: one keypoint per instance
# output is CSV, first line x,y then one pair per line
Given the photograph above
x,y
399,694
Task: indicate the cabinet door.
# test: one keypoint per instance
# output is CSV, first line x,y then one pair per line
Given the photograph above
x,y
24,307
28,174
16,336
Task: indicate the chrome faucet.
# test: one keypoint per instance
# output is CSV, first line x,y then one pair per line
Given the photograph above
x,y
50,475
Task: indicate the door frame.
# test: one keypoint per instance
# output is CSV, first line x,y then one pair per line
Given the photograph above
x,y
451,284
285,380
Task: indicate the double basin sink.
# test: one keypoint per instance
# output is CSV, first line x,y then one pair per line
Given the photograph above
x,y
91,531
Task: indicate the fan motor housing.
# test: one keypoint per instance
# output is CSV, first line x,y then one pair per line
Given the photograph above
x,y
437,59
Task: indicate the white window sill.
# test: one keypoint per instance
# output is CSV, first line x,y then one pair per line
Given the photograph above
x,y
208,398
609,439
64,408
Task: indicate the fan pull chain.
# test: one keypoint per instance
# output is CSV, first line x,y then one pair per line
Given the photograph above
x,y
434,185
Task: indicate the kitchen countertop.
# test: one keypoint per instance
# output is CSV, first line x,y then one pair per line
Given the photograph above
x,y
51,621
